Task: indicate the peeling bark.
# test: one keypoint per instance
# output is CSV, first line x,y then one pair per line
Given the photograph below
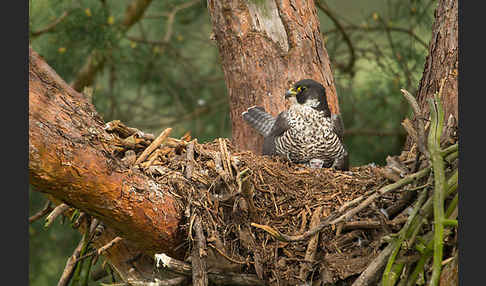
x,y
70,159
265,46
442,63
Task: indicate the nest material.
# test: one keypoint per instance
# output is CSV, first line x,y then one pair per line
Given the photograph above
x,y
228,190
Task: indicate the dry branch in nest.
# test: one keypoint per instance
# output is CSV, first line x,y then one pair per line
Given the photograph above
x,y
283,223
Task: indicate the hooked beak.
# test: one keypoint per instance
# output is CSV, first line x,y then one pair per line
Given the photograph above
x,y
291,92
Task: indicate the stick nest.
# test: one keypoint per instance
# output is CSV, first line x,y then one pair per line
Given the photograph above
x,y
240,198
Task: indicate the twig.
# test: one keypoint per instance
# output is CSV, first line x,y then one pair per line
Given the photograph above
x,y
111,272
235,279
450,222
247,193
51,26
225,157
355,201
225,255
55,213
177,266
451,157
78,220
449,150
332,218
166,282
247,240
371,273
420,124
372,224
134,12
427,208
45,210
189,159
164,261
419,268
437,117
99,274
402,203
389,173
72,261
310,253
154,145
101,249
408,126
171,17
349,67
85,76
88,236
448,260
198,255
151,159
96,60
145,41
381,192
452,206
88,270
394,51
388,275
379,29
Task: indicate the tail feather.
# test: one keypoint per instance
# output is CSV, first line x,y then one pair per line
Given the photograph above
x,y
260,120
338,125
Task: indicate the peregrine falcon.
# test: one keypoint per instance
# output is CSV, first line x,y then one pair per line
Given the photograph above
x,y
306,133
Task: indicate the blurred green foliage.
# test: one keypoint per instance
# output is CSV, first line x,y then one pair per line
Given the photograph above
x,y
164,71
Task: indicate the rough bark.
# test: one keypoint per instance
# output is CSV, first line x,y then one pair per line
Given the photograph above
x,y
264,47
442,62
69,158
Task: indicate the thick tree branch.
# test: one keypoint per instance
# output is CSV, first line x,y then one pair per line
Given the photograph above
x,y
70,158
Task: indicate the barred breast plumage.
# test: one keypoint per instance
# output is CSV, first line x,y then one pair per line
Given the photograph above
x,y
306,131
310,136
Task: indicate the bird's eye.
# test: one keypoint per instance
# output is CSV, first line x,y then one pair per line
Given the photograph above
x,y
300,88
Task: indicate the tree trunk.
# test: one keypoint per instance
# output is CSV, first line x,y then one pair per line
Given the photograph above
x,y
442,63
71,159
266,46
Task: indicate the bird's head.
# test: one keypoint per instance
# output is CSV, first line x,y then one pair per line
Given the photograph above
x,y
310,93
